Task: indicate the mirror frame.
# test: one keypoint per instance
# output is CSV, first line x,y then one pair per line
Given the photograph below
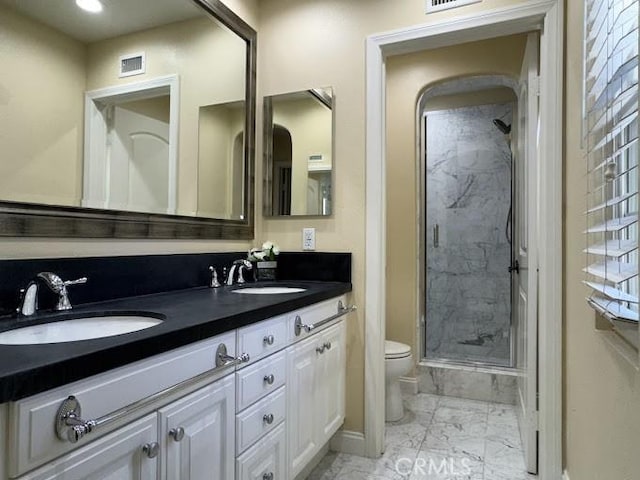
x,y
18,219
267,157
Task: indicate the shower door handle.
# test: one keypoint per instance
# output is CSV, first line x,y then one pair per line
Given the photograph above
x,y
436,235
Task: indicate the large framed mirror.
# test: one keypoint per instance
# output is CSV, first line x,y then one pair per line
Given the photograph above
x,y
126,118
298,153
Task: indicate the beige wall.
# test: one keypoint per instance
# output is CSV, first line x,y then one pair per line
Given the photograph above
x,y
602,391
217,130
310,124
407,77
304,44
207,77
41,109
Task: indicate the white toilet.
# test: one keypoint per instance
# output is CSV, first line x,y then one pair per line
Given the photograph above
x,y
397,361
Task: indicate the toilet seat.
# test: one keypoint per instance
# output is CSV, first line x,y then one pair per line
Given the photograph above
x,y
394,350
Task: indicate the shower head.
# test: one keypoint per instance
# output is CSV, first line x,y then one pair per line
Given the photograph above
x,y
503,127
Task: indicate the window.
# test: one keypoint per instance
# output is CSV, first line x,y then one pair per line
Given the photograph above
x,y
611,130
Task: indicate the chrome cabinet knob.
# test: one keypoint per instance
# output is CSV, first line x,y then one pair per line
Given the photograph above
x,y
268,419
269,379
327,345
151,449
267,476
268,340
320,349
177,433
244,358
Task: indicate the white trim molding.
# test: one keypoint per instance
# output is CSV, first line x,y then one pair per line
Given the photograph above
x,y
525,16
565,475
345,441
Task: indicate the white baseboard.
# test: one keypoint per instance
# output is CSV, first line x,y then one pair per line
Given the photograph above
x,y
409,385
345,441
565,475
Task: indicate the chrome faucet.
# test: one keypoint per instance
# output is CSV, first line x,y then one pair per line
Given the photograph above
x,y
29,301
238,264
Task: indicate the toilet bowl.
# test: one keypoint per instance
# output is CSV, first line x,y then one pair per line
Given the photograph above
x,y
397,361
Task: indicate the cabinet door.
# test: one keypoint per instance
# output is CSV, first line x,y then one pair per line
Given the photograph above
x,y
118,455
203,448
266,459
301,403
330,376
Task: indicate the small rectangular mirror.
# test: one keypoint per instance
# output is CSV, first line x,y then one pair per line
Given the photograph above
x,y
298,151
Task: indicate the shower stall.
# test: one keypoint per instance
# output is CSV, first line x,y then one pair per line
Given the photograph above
x,y
468,235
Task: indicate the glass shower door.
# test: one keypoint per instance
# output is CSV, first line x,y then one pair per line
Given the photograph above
x,y
468,254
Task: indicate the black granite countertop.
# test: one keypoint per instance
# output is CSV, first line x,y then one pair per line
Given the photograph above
x,y
189,315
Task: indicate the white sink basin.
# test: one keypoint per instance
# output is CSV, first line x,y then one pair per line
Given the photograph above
x,y
77,329
268,290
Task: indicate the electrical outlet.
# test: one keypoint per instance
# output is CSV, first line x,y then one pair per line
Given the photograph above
x,y
308,239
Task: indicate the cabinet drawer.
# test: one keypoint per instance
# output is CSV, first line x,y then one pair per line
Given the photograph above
x,y
253,423
313,315
266,459
117,455
34,441
263,338
260,379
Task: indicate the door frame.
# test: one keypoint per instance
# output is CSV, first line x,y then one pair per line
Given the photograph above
x,y
96,135
544,15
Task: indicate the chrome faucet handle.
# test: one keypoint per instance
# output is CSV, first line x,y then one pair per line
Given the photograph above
x,y
213,283
78,281
57,285
242,268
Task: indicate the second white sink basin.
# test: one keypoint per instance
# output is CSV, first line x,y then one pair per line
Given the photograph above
x,y
268,290
77,329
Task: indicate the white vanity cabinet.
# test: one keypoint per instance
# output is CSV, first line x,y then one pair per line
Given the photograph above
x,y
197,433
315,393
261,413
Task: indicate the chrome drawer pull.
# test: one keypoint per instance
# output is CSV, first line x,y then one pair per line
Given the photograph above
x,y
177,433
268,419
269,379
268,340
225,360
267,476
151,449
342,310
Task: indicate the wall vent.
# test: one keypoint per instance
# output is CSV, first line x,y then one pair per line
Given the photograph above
x,y
132,64
439,5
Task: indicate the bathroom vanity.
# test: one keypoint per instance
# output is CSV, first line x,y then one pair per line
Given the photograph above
x,y
227,386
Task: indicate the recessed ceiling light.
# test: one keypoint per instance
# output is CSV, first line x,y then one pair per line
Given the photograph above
x,y
93,6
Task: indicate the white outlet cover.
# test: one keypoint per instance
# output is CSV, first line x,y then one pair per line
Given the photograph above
x,y
308,239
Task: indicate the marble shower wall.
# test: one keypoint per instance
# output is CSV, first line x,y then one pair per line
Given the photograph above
x,y
468,304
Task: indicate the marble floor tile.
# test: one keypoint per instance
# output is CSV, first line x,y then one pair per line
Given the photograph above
x,y
395,464
504,453
440,438
432,465
502,472
455,439
502,414
422,402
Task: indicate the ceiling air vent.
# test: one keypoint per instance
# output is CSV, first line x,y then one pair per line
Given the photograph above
x,y
132,64
438,5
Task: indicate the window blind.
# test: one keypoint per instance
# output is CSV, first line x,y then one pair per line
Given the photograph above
x,y
611,129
